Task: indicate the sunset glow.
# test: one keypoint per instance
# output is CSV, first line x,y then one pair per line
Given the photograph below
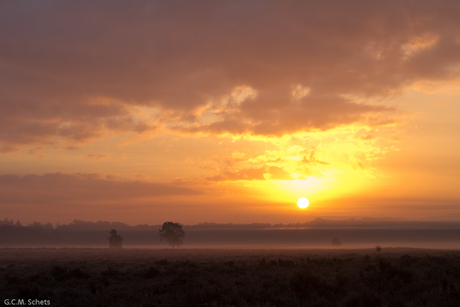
x,y
228,111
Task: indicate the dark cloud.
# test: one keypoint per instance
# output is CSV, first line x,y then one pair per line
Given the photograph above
x,y
74,188
39,120
56,56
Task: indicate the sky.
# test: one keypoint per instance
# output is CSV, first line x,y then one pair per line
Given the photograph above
x,y
229,111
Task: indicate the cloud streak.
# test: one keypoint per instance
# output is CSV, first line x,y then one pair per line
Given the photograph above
x,y
262,173
59,188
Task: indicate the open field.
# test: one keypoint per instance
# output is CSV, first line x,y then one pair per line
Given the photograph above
x,y
231,277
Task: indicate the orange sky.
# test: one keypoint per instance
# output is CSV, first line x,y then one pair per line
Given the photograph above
x,y
148,111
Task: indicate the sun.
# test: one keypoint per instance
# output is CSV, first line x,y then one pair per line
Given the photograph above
x,y
302,203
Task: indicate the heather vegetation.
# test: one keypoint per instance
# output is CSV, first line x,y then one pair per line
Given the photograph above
x,y
180,277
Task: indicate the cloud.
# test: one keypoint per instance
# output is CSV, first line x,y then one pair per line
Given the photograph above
x,y
289,115
43,122
262,173
367,137
62,188
311,158
96,156
178,56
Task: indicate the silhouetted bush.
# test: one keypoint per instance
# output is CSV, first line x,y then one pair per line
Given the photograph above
x,y
115,240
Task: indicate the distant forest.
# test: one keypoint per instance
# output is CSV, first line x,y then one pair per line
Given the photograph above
x,y
316,223
318,232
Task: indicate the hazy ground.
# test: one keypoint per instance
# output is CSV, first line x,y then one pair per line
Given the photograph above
x,y
232,277
434,237
23,256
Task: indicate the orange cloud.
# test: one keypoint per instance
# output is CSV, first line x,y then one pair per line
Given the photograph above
x,y
286,116
96,156
262,173
62,188
298,58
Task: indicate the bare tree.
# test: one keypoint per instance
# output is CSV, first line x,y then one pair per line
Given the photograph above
x,y
172,233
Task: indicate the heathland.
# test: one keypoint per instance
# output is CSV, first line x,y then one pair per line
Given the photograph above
x,y
231,277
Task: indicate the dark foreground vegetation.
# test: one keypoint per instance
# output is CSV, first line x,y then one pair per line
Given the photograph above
x,y
181,277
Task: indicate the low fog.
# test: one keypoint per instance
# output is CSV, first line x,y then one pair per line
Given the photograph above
x,y
319,233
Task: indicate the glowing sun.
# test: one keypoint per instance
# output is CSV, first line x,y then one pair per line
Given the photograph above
x,y
302,203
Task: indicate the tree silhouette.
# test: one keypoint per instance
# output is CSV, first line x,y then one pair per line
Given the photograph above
x,y
172,233
115,239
